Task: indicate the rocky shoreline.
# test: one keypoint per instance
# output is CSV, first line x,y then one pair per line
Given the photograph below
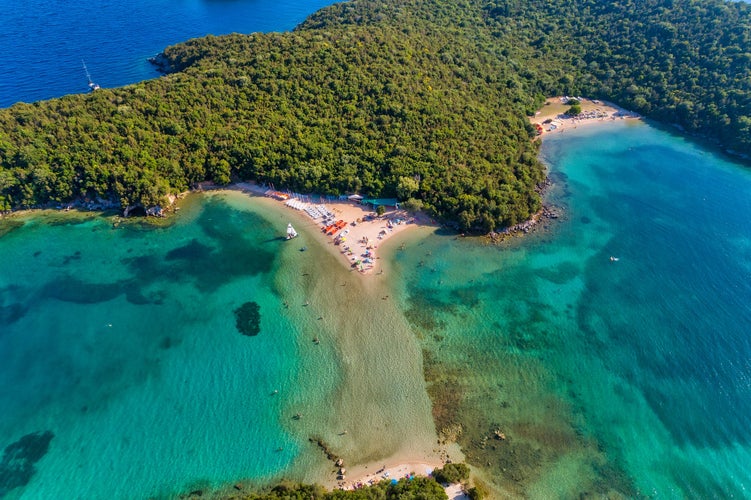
x,y
546,214
99,204
161,63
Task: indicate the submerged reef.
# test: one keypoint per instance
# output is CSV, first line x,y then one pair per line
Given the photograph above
x,y
17,464
248,319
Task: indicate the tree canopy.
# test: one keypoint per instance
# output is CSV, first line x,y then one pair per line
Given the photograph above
x,y
425,100
417,488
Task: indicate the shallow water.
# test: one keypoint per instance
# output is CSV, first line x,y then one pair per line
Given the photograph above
x,y
628,375
124,374
120,342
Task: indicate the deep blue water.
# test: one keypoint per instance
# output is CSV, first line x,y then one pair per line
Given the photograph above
x,y
44,41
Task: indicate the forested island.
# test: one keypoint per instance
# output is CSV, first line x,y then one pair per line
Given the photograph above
x,y
424,100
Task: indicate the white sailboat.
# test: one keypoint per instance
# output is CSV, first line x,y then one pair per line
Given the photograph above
x,y
291,233
92,86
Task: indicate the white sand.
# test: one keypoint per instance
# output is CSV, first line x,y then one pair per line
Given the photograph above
x,y
374,473
593,113
455,492
365,231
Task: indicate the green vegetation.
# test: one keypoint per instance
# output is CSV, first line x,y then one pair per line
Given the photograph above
x,y
476,493
683,62
327,111
419,488
574,109
421,99
452,473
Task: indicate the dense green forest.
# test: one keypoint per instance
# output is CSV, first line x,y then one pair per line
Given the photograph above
x,y
419,488
424,100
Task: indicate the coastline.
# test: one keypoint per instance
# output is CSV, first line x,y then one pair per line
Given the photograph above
x,y
396,468
416,455
357,243
551,118
400,435
407,459
361,340
524,345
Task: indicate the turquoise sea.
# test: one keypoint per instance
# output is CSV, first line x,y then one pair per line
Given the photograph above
x,y
121,343
124,375
629,375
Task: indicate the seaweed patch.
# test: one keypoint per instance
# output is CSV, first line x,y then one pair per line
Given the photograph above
x,y
248,319
17,464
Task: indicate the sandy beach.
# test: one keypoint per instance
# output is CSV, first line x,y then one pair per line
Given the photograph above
x,y
360,231
552,117
367,475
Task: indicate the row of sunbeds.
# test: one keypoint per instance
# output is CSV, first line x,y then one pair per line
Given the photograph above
x,y
315,211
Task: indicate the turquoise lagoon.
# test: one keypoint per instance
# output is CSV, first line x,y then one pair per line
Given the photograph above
x,y
123,374
630,375
122,343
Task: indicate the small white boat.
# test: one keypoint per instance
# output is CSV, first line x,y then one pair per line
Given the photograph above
x,y
291,233
92,86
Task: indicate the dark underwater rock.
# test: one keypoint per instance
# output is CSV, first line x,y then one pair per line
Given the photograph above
x,y
248,319
17,464
193,251
11,313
